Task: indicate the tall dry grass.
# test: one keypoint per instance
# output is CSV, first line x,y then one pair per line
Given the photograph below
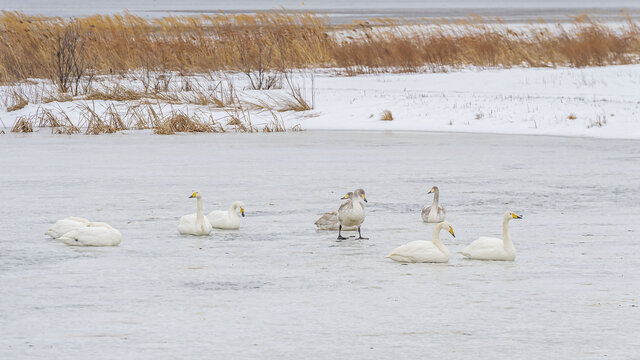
x,y
111,118
261,45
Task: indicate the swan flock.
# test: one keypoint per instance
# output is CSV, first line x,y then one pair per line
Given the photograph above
x,y
78,231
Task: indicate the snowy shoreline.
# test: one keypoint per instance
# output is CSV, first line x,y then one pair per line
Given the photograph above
x,y
597,102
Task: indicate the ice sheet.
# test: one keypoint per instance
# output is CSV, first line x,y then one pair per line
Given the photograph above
x,y
279,289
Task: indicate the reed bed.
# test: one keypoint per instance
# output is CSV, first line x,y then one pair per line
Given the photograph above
x,y
161,118
58,121
72,51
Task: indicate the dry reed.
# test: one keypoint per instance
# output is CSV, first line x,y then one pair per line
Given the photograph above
x,y
23,125
261,45
386,115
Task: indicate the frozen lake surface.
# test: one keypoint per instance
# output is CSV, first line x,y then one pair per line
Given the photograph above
x,y
342,11
279,289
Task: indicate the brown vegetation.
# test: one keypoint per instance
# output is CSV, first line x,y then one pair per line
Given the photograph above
x,y
146,115
70,52
386,115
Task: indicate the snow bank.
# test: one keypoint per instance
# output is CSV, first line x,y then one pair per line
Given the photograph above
x,y
599,102
594,102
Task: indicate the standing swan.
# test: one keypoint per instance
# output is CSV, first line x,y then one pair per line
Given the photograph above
x,y
434,213
227,219
94,234
351,213
490,248
421,251
195,224
63,226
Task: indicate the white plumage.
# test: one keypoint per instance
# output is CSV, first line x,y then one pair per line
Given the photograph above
x,y
63,226
421,251
96,234
228,220
491,248
195,224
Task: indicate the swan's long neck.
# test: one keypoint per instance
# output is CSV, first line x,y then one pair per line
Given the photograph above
x,y
436,199
506,239
435,238
199,214
232,210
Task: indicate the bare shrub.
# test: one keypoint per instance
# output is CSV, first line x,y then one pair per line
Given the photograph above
x,y
386,115
71,63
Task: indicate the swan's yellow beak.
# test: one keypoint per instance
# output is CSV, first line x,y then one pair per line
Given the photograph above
x,y
363,197
451,232
516,216
242,211
430,191
345,197
193,195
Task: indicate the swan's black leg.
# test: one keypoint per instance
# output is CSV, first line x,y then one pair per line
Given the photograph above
x,y
340,237
360,235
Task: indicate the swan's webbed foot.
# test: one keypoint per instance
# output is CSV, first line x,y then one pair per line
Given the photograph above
x,y
340,237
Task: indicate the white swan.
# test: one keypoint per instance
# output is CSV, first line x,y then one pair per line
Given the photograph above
x,y
351,213
195,224
434,213
421,251
63,226
228,220
95,234
490,248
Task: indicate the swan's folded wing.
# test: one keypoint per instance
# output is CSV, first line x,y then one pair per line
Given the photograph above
x,y
218,215
328,221
425,212
483,247
63,226
415,251
347,205
96,236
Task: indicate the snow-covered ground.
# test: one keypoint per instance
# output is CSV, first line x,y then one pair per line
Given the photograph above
x,y
593,102
602,102
277,289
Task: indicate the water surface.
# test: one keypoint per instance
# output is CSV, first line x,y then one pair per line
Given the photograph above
x,y
279,289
